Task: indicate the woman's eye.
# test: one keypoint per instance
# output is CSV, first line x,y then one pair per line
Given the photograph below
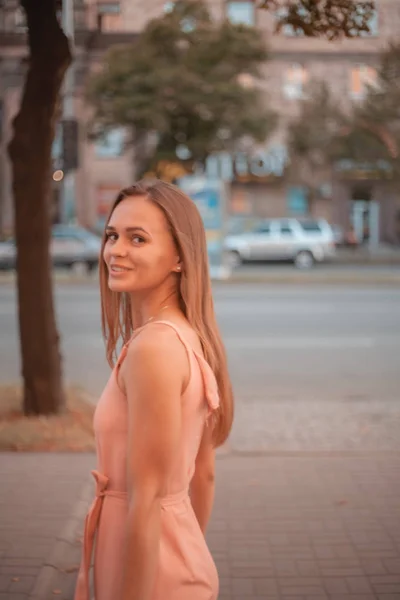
x,y
111,236
137,239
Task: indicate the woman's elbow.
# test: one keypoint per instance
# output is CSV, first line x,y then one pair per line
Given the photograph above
x,y
205,473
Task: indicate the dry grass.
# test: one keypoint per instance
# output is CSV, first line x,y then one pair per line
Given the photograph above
x,y
69,432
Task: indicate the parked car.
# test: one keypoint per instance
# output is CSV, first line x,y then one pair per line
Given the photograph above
x,y
71,246
304,242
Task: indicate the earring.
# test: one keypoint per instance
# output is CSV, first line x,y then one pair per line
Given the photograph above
x,y
178,268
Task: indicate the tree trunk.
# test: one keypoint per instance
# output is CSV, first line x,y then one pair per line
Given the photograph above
x,y
30,153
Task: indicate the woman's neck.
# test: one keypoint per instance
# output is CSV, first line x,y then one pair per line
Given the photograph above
x,y
153,308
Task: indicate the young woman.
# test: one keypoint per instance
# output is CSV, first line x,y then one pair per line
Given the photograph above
x,y
166,407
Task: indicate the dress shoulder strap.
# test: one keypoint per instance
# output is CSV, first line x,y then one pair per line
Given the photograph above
x,y
209,380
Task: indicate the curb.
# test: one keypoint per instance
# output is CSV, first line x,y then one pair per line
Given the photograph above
x,y
267,279
50,573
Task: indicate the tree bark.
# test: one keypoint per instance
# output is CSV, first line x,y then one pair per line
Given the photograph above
x,y
30,154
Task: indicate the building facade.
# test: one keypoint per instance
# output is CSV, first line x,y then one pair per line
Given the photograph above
x,y
258,183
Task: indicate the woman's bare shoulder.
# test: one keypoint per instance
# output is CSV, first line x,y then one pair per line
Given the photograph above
x,y
155,345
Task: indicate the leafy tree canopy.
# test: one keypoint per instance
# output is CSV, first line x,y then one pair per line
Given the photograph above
x,y
374,133
333,19
182,79
368,134
382,103
320,119
312,137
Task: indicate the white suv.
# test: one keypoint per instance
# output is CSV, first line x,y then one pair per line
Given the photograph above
x,y
303,242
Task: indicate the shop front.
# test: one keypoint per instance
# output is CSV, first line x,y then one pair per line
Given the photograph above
x,y
366,202
258,183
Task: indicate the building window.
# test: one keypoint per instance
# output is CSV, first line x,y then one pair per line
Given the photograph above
x,y
108,8
297,203
109,16
295,79
362,76
241,13
110,144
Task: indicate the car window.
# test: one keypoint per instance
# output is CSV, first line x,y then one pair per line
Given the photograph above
x,y
59,235
286,230
311,226
265,229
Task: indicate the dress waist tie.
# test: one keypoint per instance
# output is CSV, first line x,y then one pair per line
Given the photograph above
x,y
82,590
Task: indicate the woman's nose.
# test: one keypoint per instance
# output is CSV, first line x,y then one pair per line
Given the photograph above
x,y
119,248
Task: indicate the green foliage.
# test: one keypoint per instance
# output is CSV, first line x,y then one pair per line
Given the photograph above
x,y
180,79
312,138
367,135
332,19
375,132
320,119
382,104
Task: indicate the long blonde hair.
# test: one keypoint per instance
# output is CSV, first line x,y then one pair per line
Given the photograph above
x,y
195,295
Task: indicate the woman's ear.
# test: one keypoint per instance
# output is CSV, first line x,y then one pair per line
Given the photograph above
x,y
178,266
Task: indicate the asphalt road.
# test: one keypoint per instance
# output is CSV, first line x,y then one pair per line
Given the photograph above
x,y
313,368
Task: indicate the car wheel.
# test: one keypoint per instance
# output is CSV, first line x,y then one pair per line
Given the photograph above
x,y
304,260
233,259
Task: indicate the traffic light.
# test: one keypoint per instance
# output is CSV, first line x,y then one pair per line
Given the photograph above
x,y
70,141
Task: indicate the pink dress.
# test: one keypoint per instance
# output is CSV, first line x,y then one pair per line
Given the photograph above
x,y
186,570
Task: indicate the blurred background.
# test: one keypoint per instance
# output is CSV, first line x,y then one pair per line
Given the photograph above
x,y
284,128
315,140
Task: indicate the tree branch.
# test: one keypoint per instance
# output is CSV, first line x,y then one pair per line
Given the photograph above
x,y
332,19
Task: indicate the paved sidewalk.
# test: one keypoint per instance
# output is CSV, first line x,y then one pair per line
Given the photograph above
x,y
38,492
285,527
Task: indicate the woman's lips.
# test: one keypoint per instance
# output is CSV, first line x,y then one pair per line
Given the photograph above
x,y
117,270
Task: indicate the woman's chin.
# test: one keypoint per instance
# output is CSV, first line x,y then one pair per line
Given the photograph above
x,y
119,285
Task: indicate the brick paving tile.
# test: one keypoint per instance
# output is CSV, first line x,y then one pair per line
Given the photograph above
x,y
392,565
282,527
22,584
352,597
37,495
387,588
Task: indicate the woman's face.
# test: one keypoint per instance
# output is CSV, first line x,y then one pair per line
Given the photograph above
x,y
139,252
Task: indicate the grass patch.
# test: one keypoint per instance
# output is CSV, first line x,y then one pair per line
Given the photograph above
x,y
70,432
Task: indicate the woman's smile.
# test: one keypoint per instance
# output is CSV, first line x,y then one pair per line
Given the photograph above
x,y
116,270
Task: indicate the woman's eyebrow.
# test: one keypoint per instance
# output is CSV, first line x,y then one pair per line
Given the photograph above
x,y
127,229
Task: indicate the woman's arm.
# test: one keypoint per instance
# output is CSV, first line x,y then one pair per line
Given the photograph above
x,y
152,374
202,486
